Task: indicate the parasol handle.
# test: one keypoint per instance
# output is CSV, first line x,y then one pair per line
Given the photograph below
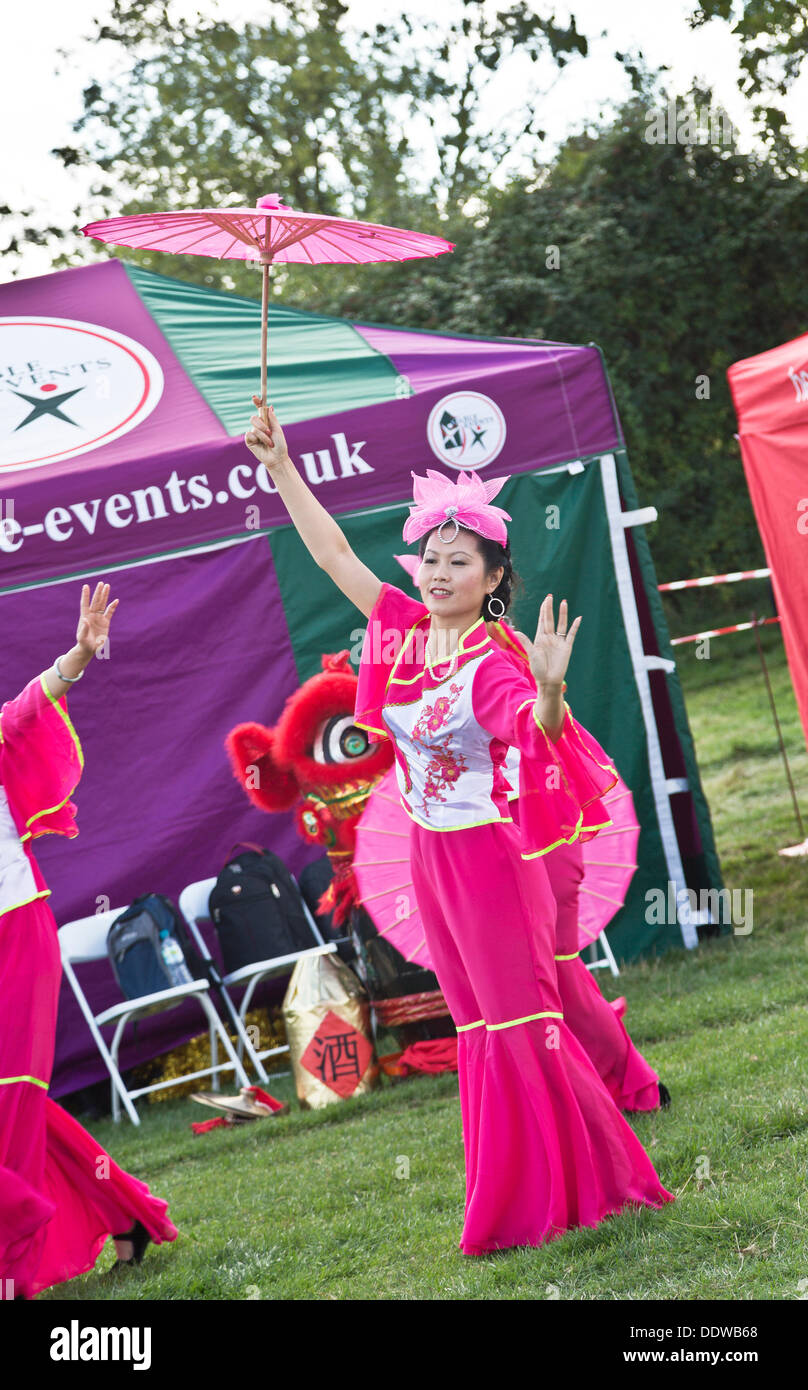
x,y
264,337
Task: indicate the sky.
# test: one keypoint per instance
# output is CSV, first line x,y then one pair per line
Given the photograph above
x,y
41,90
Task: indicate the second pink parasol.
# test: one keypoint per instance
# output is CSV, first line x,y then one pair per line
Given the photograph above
x,y
267,233
382,867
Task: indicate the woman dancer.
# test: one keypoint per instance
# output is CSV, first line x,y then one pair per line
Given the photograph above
x,y
630,1079
61,1195
546,1148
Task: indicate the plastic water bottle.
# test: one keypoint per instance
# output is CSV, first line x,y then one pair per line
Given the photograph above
x,y
178,971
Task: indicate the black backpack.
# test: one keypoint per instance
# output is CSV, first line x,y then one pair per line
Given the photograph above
x,y
313,882
256,908
135,947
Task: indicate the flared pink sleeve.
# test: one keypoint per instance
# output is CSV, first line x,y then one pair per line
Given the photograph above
x,y
40,761
389,625
560,784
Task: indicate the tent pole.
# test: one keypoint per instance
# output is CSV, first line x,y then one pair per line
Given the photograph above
x,y
795,803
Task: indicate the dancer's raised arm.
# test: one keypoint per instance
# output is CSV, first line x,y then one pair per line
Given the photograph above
x,y
317,529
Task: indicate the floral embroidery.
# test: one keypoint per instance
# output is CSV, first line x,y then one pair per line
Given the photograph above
x,y
433,717
444,765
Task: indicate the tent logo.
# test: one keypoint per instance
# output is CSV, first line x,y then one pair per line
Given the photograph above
x,y
466,430
67,387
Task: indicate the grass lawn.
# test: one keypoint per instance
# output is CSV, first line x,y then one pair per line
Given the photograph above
x,y
311,1205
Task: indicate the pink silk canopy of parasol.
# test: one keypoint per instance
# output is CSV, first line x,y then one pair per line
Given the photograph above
x,y
270,232
382,867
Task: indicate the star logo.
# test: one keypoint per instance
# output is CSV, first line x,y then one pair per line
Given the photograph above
x,y
50,406
68,386
466,430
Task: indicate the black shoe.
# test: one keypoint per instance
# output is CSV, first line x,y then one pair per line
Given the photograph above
x,y
140,1238
664,1097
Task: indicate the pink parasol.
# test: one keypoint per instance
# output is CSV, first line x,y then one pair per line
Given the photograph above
x,y
610,862
382,867
269,232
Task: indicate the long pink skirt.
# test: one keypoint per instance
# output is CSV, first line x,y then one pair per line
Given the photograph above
x,y
61,1195
630,1080
546,1147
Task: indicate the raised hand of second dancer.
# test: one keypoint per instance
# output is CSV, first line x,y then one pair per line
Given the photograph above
x,y
95,616
550,651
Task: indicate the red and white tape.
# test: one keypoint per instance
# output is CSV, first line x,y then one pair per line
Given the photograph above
x,y
715,579
719,631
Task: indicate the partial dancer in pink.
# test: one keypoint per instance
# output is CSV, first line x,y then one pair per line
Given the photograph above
x,y
630,1079
61,1195
546,1147
598,1025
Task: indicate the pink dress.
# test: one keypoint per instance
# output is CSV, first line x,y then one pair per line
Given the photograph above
x,y
546,1148
61,1195
629,1078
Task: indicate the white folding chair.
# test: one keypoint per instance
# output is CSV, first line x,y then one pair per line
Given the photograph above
x,y
193,904
608,955
86,940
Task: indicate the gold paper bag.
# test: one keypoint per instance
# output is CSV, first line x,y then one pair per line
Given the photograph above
x,y
327,1017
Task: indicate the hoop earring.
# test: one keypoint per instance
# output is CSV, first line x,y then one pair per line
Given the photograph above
x,y
492,599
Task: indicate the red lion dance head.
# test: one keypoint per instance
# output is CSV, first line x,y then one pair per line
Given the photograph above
x,y
317,759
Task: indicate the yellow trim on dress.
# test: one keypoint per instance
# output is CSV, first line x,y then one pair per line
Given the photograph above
x,y
574,956
34,1080
66,718
510,1023
50,810
529,1018
470,825
404,645
371,728
579,830
43,893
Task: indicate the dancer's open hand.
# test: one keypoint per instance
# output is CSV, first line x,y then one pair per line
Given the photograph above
x,y
551,648
95,617
266,439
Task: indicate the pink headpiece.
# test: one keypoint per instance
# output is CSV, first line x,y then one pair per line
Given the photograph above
x,y
436,500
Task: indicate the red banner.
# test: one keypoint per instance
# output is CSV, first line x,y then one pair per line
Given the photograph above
x,y
770,393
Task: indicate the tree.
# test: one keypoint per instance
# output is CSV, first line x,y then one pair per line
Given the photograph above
x,y
677,260
774,40
381,124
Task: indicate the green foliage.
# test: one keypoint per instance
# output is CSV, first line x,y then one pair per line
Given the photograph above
x,y
774,38
677,260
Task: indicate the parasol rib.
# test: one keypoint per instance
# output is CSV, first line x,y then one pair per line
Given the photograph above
x,y
604,897
294,232
228,224
377,830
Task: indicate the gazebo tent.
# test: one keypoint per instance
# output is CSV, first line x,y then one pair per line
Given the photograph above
x,y
770,393
123,400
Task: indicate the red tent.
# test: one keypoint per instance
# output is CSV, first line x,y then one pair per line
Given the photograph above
x,y
770,393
